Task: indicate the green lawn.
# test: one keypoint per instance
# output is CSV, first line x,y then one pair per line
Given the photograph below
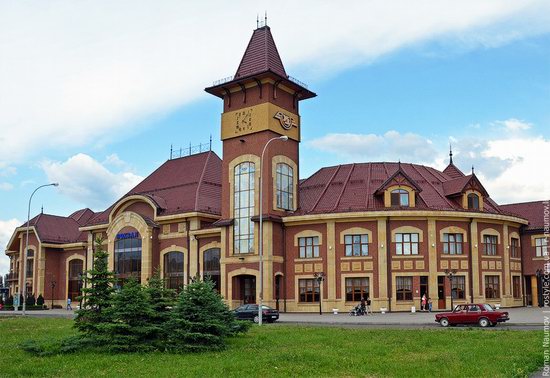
x,y
280,350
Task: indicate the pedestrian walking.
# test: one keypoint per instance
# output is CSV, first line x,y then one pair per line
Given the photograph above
x,y
368,306
363,305
69,307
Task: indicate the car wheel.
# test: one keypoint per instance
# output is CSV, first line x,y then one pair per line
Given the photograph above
x,y
484,322
256,319
444,322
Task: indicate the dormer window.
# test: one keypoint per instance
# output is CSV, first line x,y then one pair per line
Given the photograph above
x,y
400,197
473,201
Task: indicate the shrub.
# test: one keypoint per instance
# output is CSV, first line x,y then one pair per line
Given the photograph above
x,y
201,321
9,301
31,301
40,300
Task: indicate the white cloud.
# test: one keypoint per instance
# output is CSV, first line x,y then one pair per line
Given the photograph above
x,y
6,230
514,124
513,167
390,146
6,186
74,72
84,179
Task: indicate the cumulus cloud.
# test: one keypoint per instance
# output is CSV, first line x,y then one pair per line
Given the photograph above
x,y
6,186
84,179
514,124
74,72
391,146
6,230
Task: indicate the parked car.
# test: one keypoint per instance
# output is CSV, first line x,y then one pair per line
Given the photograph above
x,y
250,312
483,314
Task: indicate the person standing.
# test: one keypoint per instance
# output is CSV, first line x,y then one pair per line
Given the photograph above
x,y
368,306
423,303
69,307
430,304
363,305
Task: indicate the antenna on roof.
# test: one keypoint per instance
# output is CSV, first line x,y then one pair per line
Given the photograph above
x,y
171,146
450,153
257,20
265,19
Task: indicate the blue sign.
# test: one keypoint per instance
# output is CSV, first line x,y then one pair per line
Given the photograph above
x,y
128,235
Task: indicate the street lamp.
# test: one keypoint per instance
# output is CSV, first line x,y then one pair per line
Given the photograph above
x,y
284,138
27,245
53,283
320,277
450,274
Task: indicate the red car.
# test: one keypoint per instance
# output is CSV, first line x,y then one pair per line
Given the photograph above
x,y
483,314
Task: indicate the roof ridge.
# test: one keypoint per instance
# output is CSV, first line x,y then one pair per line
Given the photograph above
x,y
344,187
325,188
200,182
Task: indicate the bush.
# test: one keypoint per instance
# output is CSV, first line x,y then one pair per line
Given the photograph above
x,y
31,301
40,300
201,321
9,301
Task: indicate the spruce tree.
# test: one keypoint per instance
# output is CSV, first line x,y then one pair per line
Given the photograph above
x,y
201,321
129,328
162,299
98,292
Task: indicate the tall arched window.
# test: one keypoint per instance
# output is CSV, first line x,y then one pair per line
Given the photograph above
x,y
128,258
400,197
76,268
243,228
30,263
285,186
173,270
473,201
212,266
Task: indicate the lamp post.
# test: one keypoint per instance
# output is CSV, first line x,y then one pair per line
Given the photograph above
x,y
450,274
27,244
53,287
320,277
284,138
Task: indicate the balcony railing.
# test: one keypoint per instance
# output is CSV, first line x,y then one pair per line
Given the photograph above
x,y
12,276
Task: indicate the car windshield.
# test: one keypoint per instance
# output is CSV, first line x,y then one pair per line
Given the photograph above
x,y
488,307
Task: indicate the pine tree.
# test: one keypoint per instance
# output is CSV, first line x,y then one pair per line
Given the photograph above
x,y
130,328
162,299
98,292
201,321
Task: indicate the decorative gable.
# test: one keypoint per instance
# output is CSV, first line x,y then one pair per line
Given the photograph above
x,y
399,181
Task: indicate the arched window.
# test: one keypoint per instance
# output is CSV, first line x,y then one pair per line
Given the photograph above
x,y
473,201
76,268
173,270
400,197
243,228
285,186
212,266
30,263
128,258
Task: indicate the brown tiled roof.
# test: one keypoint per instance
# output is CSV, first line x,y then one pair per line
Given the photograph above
x,y
452,171
82,216
532,211
457,185
56,229
353,187
261,55
187,184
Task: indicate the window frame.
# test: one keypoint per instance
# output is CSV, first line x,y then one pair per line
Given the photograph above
x,y
516,287
492,286
458,289
351,285
401,243
244,191
280,192
350,242
403,288
490,248
454,246
397,197
471,204
174,279
304,242
306,296
515,248
540,248
214,274
126,258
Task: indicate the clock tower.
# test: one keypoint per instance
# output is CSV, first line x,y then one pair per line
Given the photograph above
x,y
260,103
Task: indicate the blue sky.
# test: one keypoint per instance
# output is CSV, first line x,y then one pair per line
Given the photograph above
x,y
97,110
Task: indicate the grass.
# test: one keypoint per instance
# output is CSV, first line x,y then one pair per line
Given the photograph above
x,y
284,350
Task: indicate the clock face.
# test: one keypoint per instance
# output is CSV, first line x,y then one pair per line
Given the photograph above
x,y
243,121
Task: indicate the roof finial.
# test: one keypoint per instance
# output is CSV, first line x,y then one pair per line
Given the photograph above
x,y
450,153
265,19
42,210
472,169
257,20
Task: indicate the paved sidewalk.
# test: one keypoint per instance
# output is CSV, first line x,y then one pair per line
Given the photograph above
x,y
532,316
41,313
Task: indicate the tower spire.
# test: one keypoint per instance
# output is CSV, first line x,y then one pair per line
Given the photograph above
x,y
450,153
473,169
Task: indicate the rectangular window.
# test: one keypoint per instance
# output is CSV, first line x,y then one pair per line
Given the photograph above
x,y
492,287
459,287
403,289
356,245
514,247
406,244
357,288
490,245
309,247
285,186
516,287
308,290
541,247
452,244
243,208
